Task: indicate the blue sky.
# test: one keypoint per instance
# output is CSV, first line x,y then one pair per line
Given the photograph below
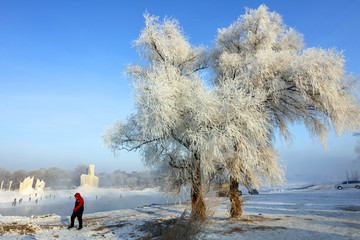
x,y
61,66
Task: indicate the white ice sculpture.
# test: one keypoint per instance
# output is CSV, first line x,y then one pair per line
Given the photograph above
x,y
89,179
39,185
26,184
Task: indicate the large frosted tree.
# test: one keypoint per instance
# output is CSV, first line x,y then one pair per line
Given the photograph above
x,y
184,127
261,55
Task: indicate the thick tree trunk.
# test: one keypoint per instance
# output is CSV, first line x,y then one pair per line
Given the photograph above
x,y
198,207
235,201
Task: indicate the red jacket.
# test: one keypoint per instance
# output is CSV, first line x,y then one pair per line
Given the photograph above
x,y
79,203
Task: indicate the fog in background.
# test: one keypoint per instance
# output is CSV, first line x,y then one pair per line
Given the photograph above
x,y
316,164
60,178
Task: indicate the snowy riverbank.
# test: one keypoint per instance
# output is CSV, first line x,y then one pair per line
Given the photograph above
x,y
316,212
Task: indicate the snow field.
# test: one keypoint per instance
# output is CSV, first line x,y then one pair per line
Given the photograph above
x,y
296,214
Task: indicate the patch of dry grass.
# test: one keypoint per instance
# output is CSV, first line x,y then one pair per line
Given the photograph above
x,y
253,219
43,216
21,229
101,228
247,228
182,228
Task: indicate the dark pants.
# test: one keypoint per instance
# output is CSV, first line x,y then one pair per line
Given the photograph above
x,y
77,215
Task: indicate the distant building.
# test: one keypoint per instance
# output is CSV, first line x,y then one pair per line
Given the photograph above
x,y
90,178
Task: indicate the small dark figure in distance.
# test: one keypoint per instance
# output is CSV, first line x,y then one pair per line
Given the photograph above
x,y
254,191
78,211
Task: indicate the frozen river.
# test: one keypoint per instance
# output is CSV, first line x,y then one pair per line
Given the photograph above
x,y
63,206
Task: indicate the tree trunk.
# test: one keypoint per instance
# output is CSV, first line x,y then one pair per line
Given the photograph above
x,y
198,207
235,201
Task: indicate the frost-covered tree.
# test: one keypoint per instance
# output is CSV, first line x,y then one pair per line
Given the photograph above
x,y
181,125
169,96
262,56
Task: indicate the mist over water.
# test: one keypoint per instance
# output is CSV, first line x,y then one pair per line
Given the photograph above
x,y
65,207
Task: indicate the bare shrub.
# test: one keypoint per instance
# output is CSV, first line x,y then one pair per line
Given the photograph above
x,y
185,229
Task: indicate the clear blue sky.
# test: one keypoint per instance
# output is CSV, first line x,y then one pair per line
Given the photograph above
x,y
61,65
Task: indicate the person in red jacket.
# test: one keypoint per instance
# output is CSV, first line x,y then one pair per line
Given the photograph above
x,y
78,211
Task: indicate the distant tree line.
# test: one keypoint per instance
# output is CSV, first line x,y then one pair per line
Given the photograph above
x,y
57,178
120,178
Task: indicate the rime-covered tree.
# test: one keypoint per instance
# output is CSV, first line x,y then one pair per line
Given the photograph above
x,y
5,177
183,127
261,55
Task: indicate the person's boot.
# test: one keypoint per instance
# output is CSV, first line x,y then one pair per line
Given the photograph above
x,y
70,227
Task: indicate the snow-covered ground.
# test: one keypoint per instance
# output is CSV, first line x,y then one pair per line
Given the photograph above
x,y
292,212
